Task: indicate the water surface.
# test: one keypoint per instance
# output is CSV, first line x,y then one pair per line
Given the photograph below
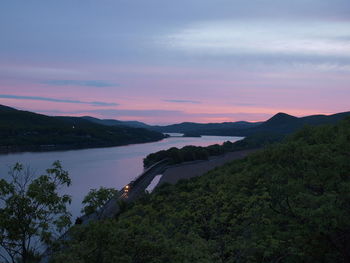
x,y
108,167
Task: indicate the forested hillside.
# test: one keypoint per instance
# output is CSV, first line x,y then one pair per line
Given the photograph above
x,y
280,123
191,153
111,122
286,203
271,131
23,130
189,127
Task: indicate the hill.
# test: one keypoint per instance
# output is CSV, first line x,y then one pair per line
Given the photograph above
x,y
111,122
24,130
189,127
286,203
279,124
271,131
285,124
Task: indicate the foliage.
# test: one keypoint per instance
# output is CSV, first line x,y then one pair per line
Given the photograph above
x,y
187,153
287,203
32,210
206,128
192,153
257,135
280,123
22,130
96,199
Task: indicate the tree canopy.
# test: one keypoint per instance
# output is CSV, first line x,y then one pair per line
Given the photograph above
x,y
23,131
191,153
287,203
32,210
96,199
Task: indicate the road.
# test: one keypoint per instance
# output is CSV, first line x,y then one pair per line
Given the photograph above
x,y
137,189
139,185
111,209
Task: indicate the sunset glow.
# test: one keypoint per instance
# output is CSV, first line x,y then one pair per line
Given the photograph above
x,y
171,62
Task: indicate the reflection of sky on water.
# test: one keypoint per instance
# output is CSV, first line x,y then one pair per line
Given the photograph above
x,y
108,167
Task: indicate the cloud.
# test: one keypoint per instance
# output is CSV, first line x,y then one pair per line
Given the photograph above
x,y
183,101
92,103
165,115
114,113
136,113
247,104
88,83
222,38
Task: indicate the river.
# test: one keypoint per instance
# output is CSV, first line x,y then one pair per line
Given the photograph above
x,y
108,167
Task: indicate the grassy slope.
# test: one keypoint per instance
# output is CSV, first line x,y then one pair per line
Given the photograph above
x,y
287,203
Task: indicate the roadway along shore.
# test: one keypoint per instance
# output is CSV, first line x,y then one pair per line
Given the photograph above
x,y
188,170
171,174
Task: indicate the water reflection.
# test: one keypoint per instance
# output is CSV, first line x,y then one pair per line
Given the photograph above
x,y
108,167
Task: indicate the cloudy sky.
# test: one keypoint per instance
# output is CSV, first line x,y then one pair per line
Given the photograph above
x,y
162,61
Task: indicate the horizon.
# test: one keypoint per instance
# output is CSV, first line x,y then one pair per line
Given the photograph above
x,y
172,123
184,61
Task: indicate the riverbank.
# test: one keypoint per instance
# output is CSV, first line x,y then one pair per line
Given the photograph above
x,y
54,147
197,168
170,174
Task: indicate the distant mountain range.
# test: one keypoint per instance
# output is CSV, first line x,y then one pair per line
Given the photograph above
x,y
285,124
110,122
185,127
281,123
24,130
192,127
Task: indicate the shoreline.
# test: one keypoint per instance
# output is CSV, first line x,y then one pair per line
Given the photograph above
x,y
188,170
4,150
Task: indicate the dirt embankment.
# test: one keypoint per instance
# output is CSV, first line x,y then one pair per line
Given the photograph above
x,y
197,168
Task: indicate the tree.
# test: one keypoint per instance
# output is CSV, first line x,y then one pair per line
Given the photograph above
x,y
32,211
96,199
287,203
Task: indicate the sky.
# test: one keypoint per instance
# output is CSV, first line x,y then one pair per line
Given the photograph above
x,y
162,62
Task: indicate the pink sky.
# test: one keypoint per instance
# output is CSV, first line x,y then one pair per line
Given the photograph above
x,y
202,97
224,62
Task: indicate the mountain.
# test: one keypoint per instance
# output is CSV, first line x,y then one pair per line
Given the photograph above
x,y
24,130
288,203
189,127
110,122
280,124
320,119
280,119
6,108
283,123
